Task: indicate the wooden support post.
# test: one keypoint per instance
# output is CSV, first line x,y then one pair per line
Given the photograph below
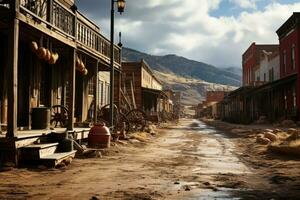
x,y
13,44
72,89
50,11
96,93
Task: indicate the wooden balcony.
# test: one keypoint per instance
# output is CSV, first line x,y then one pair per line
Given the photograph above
x,y
89,36
53,16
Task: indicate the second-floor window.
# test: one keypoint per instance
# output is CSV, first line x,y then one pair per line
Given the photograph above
x,y
284,61
293,57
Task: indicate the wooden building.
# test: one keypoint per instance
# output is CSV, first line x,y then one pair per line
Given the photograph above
x,y
144,88
248,104
50,55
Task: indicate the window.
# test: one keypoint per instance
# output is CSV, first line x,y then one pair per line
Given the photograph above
x,y
264,77
91,86
293,57
284,61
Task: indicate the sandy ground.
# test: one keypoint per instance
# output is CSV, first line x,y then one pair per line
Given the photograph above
x,y
188,161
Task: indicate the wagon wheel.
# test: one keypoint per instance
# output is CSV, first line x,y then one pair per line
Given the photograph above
x,y
104,113
137,120
59,116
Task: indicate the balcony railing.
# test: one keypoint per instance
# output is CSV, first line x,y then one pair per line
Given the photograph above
x,y
94,40
52,13
61,19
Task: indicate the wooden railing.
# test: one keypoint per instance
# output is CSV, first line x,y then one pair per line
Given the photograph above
x,y
63,20
52,13
94,40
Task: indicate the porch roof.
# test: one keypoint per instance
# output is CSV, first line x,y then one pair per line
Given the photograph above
x,y
155,92
277,83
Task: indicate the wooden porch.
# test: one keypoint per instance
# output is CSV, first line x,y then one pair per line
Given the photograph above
x,y
31,81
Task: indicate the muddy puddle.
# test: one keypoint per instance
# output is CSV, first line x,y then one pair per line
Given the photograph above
x,y
217,159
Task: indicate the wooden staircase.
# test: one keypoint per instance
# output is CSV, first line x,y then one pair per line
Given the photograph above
x,y
44,154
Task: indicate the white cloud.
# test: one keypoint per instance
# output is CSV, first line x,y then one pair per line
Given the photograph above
x,y
188,28
244,3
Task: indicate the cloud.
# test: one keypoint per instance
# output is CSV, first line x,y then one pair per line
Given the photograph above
x,y
244,3
189,29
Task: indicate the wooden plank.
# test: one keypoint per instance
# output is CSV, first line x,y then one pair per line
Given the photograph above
x,y
47,151
97,55
13,43
125,98
72,69
42,146
96,93
132,95
56,158
70,42
25,142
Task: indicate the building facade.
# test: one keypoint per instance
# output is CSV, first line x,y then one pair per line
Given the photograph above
x,y
289,41
251,60
51,58
143,89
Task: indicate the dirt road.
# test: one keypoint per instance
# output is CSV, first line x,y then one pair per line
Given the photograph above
x,y
187,161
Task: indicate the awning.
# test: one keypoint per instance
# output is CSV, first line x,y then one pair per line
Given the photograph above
x,y
155,92
277,83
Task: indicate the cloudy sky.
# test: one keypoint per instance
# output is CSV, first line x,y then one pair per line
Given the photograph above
x,y
211,31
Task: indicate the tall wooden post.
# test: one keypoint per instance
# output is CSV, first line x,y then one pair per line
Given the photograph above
x,y
12,75
96,93
72,89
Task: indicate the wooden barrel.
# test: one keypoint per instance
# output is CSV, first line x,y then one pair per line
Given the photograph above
x,y
40,118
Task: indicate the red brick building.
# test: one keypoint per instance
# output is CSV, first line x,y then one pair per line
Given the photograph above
x,y
289,41
251,59
214,96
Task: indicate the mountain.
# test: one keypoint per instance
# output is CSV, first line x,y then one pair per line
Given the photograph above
x,y
235,70
185,67
193,90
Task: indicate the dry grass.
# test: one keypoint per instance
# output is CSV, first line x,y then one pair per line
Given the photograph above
x,y
282,135
141,136
286,147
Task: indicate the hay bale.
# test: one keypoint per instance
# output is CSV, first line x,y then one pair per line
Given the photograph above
x,y
293,148
260,135
282,135
269,130
277,130
292,130
263,141
270,136
293,136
